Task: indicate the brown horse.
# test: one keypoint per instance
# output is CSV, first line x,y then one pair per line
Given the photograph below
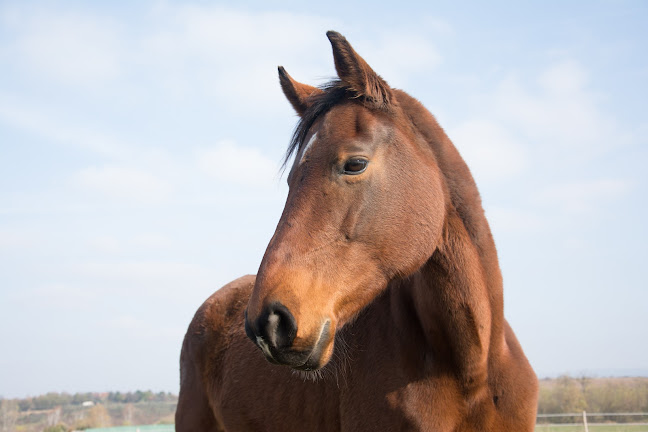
x,y
378,303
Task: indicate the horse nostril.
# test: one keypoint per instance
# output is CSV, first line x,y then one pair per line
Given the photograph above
x,y
281,327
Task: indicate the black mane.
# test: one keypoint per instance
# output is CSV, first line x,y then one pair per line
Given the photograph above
x,y
333,94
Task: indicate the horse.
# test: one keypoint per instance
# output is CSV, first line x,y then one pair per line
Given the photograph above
x,y
378,303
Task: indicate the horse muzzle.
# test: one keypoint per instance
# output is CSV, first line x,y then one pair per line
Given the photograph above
x,y
274,332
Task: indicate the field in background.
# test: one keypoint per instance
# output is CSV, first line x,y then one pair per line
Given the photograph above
x,y
149,428
60,412
592,428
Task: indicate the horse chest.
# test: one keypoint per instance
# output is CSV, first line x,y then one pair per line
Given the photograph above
x,y
383,397
388,396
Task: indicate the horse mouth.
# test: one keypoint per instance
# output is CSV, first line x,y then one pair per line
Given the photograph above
x,y
301,360
314,360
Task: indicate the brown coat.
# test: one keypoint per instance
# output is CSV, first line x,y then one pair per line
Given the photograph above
x,y
379,299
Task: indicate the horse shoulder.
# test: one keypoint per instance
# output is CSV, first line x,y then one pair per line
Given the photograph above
x,y
210,330
208,337
514,385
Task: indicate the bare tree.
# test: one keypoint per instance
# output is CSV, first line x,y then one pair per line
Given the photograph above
x,y
128,416
8,415
54,417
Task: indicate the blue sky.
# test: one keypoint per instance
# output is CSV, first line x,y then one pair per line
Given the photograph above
x,y
140,147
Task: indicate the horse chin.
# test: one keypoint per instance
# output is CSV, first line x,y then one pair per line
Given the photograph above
x,y
333,361
314,368
314,375
317,360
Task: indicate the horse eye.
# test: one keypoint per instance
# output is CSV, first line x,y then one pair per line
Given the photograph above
x,y
355,166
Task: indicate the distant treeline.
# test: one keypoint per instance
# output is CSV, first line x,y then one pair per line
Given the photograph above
x,y
53,400
61,412
594,395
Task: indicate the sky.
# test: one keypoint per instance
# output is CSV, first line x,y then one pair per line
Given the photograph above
x,y
140,153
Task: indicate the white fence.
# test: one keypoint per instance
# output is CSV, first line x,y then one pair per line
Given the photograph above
x,y
593,422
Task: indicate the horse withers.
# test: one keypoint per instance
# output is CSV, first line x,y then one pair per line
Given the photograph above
x,y
378,303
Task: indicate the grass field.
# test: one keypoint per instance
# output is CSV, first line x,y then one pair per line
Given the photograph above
x,y
540,428
592,428
148,428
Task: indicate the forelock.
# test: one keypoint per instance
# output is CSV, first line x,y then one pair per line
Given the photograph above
x,y
334,93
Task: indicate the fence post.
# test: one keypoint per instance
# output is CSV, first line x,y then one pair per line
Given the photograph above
x,y
585,421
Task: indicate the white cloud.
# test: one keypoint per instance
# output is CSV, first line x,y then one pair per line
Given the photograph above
x,y
151,241
109,244
63,295
558,112
513,220
541,122
231,55
567,77
583,196
136,327
124,182
52,126
210,29
185,283
210,50
13,240
105,244
234,164
70,47
144,273
216,51
398,55
490,152
439,27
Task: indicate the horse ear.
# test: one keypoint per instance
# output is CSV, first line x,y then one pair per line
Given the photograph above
x,y
296,92
356,74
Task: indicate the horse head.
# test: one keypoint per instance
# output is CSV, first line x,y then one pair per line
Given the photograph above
x,y
367,204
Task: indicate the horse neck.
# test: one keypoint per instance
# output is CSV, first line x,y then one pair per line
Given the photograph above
x,y
457,294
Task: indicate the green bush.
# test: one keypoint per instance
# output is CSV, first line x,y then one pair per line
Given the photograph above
x,y
57,428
